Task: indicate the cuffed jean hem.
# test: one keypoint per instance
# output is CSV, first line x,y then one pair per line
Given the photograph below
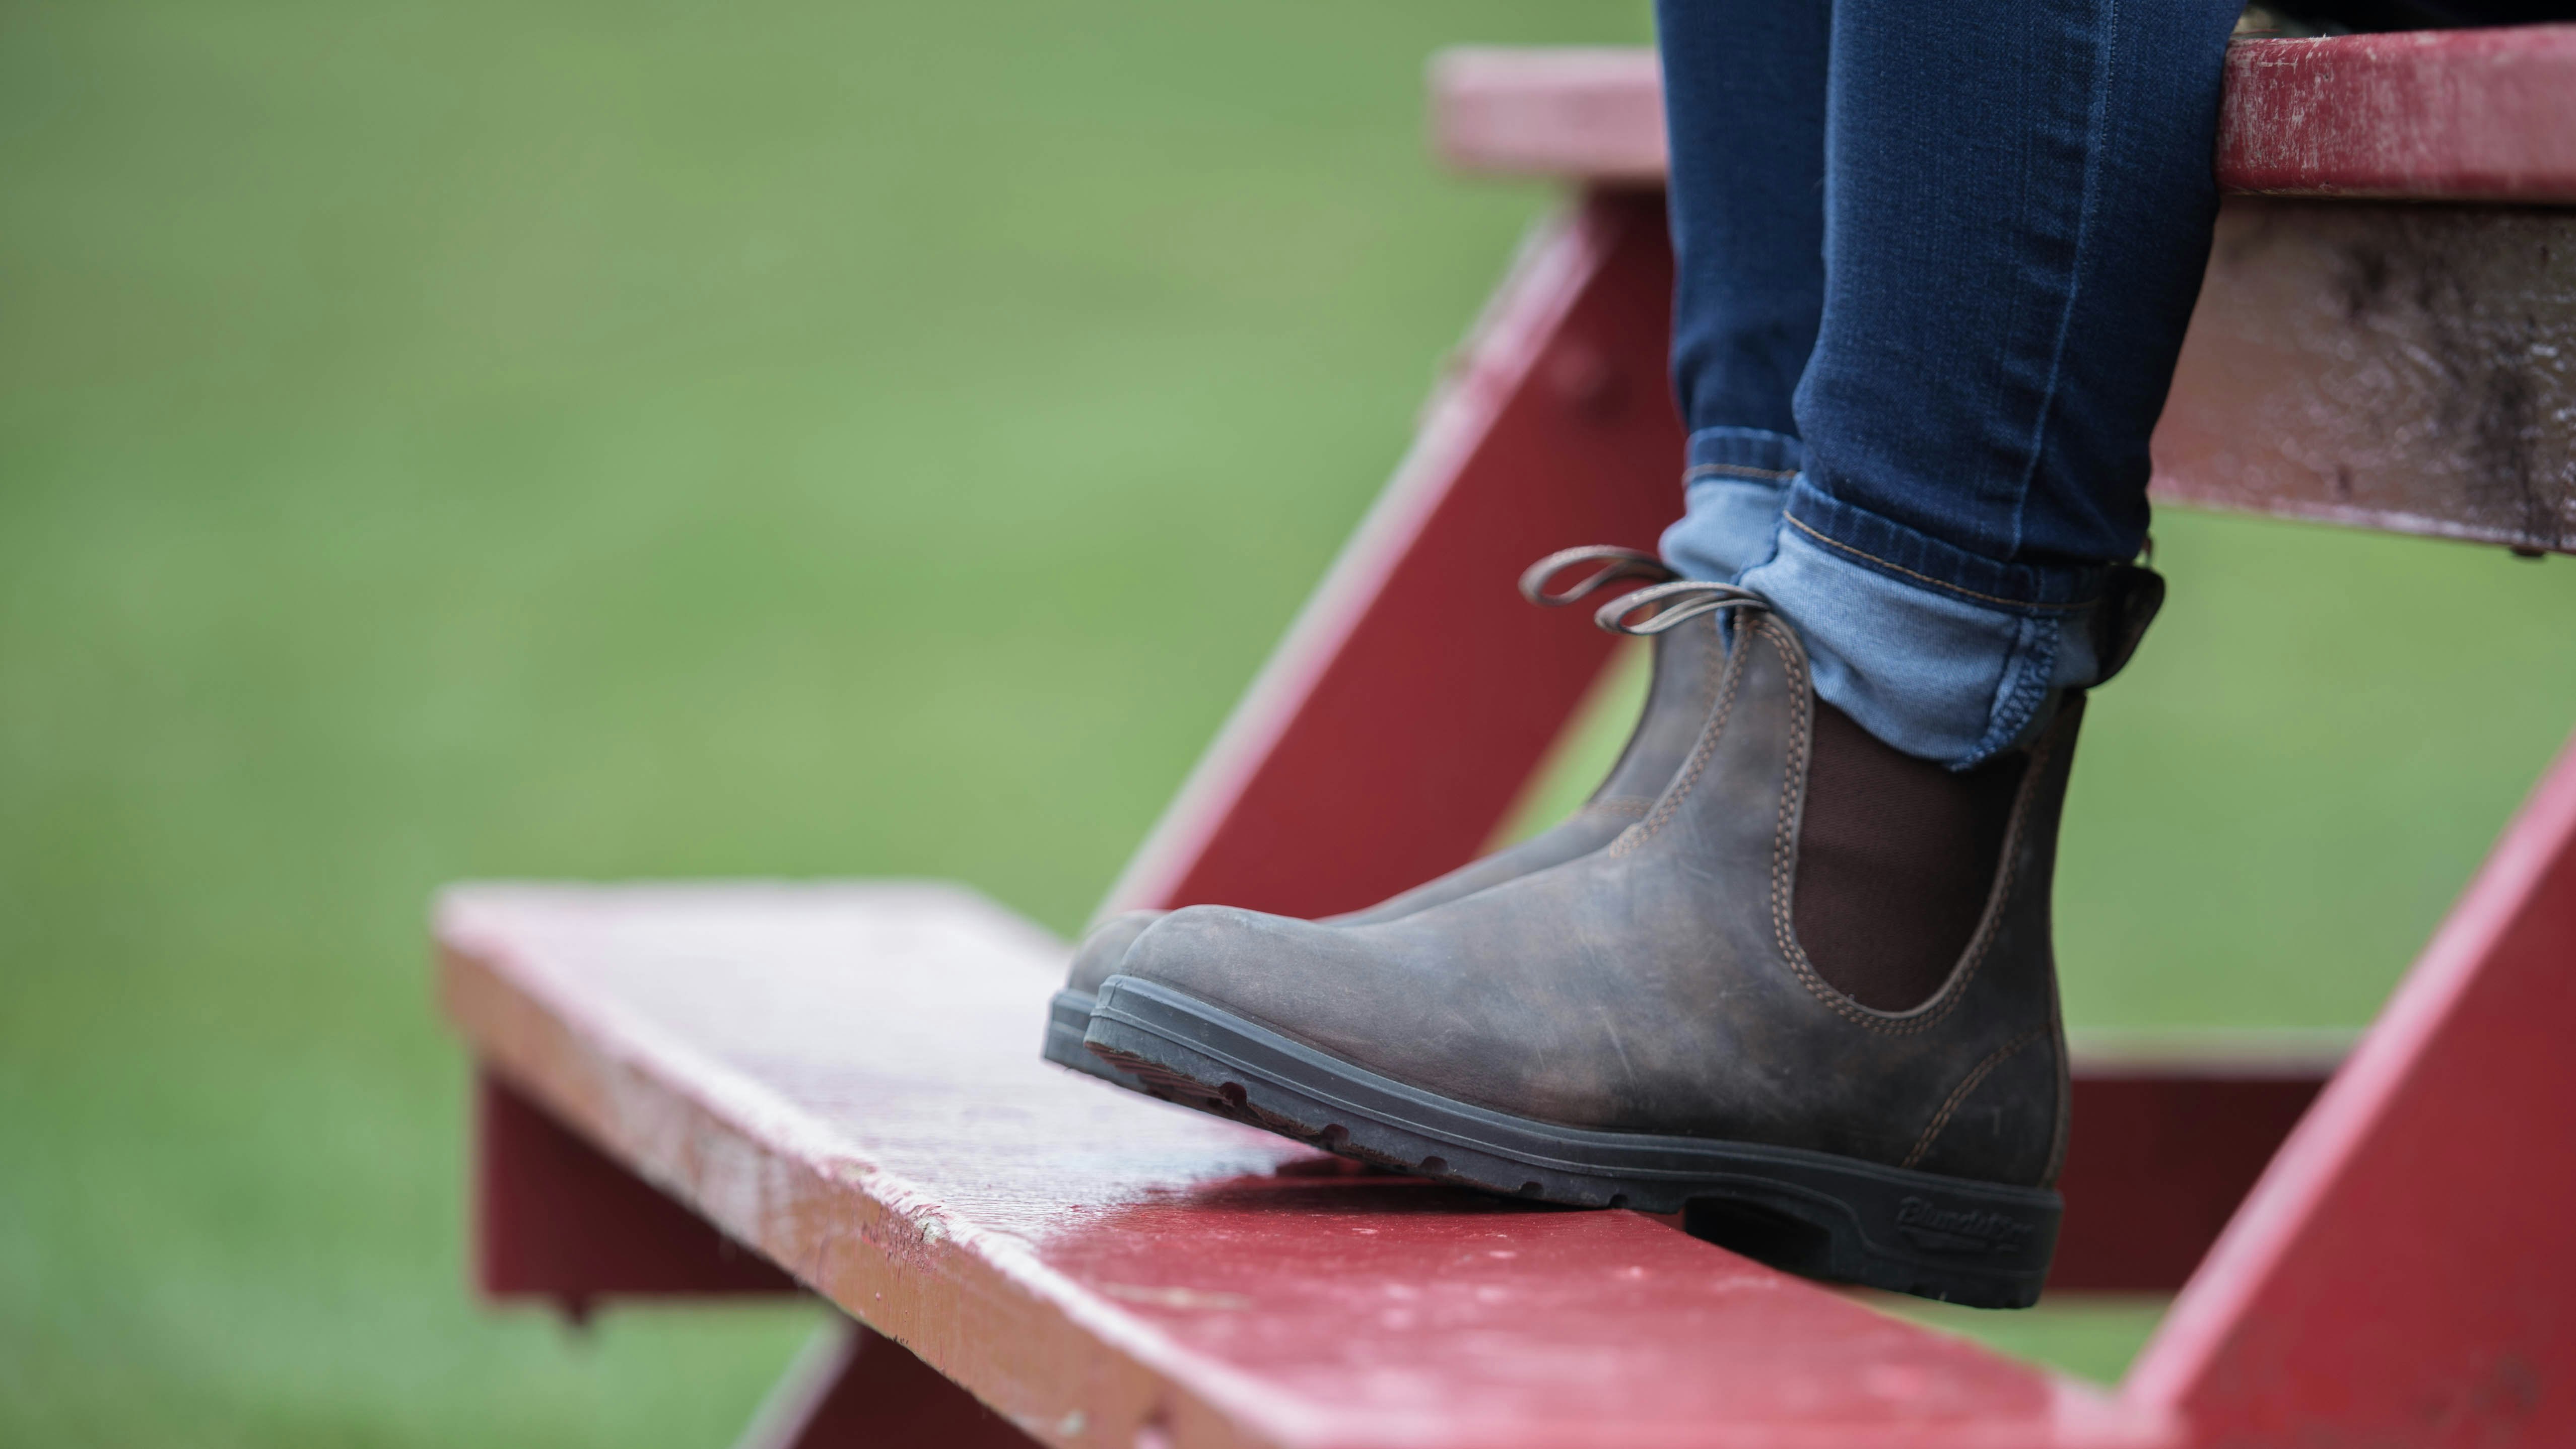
x,y
1734,485
1946,666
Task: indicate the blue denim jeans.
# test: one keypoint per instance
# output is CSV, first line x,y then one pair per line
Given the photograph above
x,y
1934,267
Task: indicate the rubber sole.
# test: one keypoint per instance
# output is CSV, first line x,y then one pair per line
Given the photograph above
x,y
1068,1017
1816,1214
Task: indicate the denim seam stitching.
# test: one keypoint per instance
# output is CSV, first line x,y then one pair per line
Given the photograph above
x,y
1698,471
2024,689
2096,119
1871,558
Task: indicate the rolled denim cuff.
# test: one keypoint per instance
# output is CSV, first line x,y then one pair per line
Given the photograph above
x,y
1733,488
1753,453
1943,655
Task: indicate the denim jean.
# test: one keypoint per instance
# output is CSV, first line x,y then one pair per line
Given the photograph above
x,y
1934,263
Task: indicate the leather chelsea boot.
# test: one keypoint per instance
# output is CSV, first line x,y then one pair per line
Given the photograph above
x,y
1687,663
1643,1026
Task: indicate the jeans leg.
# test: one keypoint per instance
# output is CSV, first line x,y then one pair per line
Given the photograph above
x,y
1744,103
2018,206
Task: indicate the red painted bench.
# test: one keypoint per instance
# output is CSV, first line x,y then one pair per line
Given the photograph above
x,y
836,1089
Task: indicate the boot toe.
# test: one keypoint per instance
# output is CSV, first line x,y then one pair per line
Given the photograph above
x,y
1376,996
1105,948
1242,960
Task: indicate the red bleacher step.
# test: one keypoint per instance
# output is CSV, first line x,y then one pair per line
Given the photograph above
x,y
845,1080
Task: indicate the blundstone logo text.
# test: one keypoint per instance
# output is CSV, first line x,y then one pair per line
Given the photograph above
x,y
1947,1230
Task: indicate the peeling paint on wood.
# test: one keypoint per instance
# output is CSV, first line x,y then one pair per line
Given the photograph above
x,y
2455,115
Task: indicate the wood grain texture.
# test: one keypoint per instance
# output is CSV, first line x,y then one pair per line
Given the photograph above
x,y
846,1079
2429,115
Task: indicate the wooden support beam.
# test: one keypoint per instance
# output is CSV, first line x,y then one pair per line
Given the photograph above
x,y
2169,1136
555,1218
2385,365
2401,1275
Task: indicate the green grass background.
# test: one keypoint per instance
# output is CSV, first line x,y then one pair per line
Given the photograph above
x,y
574,439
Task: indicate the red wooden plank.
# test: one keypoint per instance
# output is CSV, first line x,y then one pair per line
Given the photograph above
x,y
555,1219
2402,1272
1416,693
1572,113
846,1080
2165,1146
2432,115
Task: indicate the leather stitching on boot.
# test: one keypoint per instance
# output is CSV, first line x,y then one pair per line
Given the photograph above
x,y
2058,1124
1665,809
1975,1078
1784,856
1712,666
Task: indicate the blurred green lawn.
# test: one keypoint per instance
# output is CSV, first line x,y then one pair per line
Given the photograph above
x,y
602,440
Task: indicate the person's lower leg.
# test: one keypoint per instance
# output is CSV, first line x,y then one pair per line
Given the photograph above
x,y
1759,996
2018,214
2009,270
1744,104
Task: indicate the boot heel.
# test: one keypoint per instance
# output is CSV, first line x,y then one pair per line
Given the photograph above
x,y
1978,1244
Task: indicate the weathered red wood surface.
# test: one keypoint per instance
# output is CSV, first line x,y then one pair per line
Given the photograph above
x,y
1393,729
2403,1273
845,1079
2479,115
2383,364
2443,115
2166,1145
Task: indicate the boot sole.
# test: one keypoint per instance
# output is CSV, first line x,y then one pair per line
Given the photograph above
x,y
1816,1214
1068,1016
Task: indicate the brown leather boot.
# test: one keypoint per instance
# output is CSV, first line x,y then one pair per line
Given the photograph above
x,y
1644,1027
1686,667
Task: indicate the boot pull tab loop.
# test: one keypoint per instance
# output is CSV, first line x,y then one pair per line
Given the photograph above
x,y
1671,604
1618,563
